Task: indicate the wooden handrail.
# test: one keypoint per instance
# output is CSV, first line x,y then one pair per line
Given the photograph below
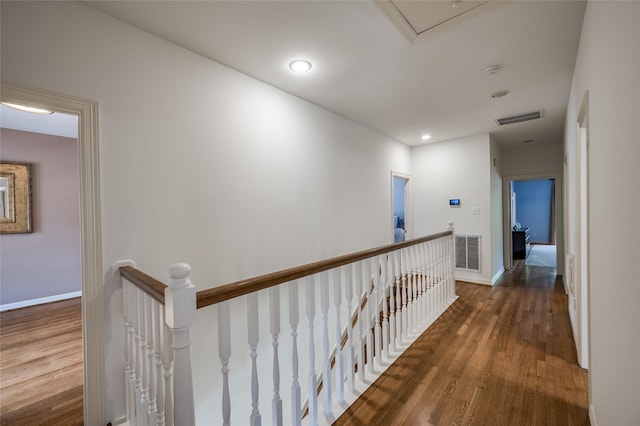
x,y
146,283
229,291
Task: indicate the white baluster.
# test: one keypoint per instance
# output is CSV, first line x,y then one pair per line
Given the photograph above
x,y
160,392
418,274
442,273
153,379
427,263
393,296
385,307
149,358
377,285
436,289
361,293
313,384
447,245
416,286
326,360
253,338
224,353
403,297
423,282
337,301
348,294
145,357
167,372
180,302
425,257
138,324
296,400
367,278
274,299
409,273
128,330
353,329
441,266
413,305
434,270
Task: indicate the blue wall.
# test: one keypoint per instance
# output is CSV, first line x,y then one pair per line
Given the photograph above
x,y
398,196
534,208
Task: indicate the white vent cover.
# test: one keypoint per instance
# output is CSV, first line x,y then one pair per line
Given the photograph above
x,y
468,252
519,118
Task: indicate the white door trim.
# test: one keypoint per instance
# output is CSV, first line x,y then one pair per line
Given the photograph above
x,y
582,256
90,235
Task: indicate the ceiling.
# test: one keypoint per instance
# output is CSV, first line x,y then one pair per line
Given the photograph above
x,y
57,124
402,68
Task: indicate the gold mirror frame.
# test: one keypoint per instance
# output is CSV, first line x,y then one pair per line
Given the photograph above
x,y
16,217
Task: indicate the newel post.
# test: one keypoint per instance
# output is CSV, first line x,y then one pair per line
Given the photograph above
x,y
180,305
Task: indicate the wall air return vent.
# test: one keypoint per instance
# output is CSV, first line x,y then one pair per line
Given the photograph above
x,y
468,252
519,118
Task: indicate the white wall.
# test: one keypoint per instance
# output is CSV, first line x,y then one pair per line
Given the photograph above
x,y
608,66
458,168
533,158
43,264
200,163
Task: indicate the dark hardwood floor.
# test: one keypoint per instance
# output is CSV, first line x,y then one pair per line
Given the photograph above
x,y
498,356
41,365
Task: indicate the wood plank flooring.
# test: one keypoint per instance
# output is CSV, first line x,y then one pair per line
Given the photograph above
x,y
41,365
498,356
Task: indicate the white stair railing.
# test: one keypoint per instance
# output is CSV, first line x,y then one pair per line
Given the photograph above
x,y
349,318
157,320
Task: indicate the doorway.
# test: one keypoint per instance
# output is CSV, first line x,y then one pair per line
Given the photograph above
x,y
401,207
533,221
550,235
41,272
90,235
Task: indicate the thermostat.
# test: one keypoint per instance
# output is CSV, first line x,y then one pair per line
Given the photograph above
x,y
454,202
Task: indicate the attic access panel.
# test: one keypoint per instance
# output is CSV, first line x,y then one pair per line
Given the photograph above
x,y
416,18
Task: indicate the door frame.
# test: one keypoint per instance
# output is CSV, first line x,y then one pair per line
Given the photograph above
x,y
558,216
90,235
582,253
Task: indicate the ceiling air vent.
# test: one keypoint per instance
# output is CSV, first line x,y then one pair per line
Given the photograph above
x,y
519,118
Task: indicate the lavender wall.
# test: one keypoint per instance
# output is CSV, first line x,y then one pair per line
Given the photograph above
x,y
46,262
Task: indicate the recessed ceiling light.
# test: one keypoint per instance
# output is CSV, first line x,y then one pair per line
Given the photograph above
x,y
25,108
425,137
300,65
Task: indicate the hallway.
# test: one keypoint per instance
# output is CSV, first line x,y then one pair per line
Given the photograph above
x,y
498,356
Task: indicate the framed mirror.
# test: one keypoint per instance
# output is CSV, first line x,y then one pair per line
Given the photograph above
x,y
15,198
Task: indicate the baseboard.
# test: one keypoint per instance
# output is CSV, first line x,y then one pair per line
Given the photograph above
x,y
122,421
497,276
39,301
592,415
472,279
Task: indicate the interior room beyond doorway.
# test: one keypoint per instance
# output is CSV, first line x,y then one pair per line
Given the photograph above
x,y
533,221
